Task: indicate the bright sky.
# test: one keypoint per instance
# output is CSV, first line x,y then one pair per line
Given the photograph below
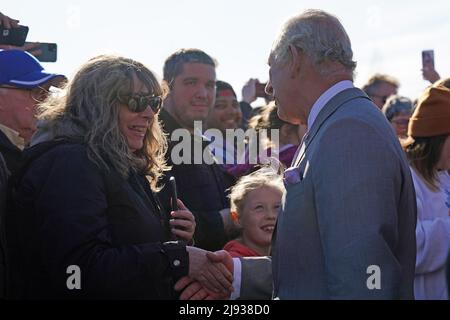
x,y
387,36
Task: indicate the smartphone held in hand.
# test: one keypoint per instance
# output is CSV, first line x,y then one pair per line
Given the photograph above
x,y
13,36
49,52
174,198
428,59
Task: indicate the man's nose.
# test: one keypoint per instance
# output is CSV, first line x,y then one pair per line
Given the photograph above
x,y
202,92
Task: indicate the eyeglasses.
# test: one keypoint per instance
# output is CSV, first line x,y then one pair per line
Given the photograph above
x,y
38,94
139,102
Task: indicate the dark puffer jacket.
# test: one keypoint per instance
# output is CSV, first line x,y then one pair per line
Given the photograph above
x,y
67,211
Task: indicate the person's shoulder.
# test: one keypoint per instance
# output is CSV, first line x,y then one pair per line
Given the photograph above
x,y
59,150
47,155
361,117
230,245
362,108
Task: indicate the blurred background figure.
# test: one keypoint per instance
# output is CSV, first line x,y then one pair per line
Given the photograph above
x,y
289,137
252,90
380,87
289,134
255,204
428,151
397,110
225,114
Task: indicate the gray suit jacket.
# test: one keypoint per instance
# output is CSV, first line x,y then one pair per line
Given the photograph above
x,y
352,211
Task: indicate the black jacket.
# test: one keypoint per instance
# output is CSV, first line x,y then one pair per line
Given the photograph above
x,y
3,183
202,188
10,153
67,211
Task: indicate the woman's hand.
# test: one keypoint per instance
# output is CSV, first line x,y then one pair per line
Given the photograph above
x,y
182,222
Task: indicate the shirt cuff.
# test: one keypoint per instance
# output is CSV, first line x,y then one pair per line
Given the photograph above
x,y
236,279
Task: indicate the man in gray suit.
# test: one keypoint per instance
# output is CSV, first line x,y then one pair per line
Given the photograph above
x,y
347,226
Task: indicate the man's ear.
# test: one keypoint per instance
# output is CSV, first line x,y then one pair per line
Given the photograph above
x,y
296,60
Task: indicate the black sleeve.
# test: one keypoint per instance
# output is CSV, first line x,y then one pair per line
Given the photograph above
x,y
73,230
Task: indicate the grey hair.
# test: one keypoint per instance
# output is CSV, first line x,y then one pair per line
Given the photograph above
x,y
319,35
89,106
396,105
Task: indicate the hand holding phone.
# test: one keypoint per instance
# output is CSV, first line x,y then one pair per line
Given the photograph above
x,y
428,69
13,36
182,220
260,90
428,59
7,21
45,52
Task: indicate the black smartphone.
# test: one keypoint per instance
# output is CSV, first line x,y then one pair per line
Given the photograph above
x,y
173,185
428,59
49,52
13,36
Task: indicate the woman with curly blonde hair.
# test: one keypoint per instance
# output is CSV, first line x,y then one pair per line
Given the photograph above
x,y
86,221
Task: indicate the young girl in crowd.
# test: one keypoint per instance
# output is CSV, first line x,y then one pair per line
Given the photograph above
x,y
428,151
255,203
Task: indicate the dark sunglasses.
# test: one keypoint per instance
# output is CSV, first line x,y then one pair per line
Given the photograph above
x,y
139,102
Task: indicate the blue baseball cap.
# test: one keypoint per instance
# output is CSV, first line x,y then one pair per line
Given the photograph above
x,y
21,69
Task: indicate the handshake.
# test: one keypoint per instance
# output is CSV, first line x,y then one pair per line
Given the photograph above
x,y
210,276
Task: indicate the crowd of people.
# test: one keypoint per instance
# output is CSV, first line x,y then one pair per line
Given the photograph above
x,y
347,196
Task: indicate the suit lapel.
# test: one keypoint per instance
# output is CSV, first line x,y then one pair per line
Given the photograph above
x,y
328,110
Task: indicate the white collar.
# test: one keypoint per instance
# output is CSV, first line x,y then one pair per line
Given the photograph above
x,y
325,98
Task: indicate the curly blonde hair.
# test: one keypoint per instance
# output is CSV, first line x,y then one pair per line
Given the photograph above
x,y
264,177
89,105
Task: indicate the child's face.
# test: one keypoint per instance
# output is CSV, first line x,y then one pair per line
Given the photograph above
x,y
259,215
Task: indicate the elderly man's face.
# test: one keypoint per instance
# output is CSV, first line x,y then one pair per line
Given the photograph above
x,y
19,108
283,90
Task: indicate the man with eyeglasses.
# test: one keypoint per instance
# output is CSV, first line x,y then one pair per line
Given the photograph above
x,y
380,87
23,84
